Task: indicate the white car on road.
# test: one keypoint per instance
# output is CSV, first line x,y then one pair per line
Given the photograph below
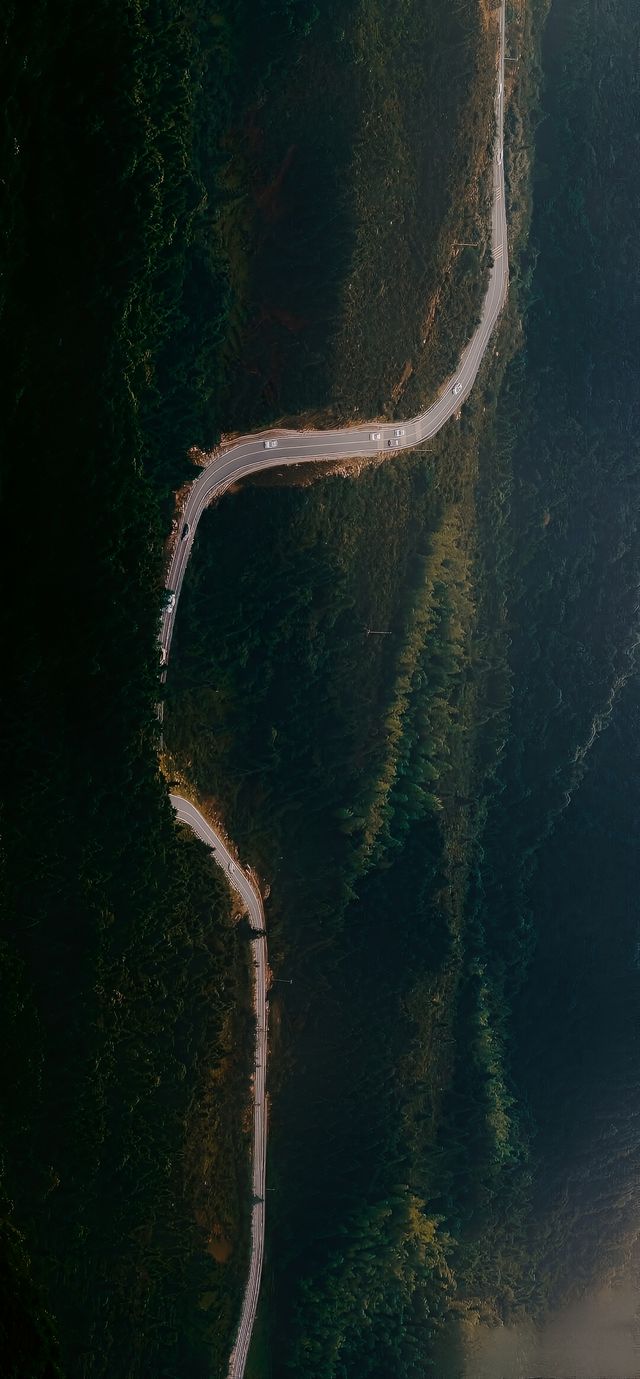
x,y
270,445
375,435
399,431
394,442
457,389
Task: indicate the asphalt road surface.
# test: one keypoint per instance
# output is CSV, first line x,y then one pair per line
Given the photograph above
x,y
248,455
251,898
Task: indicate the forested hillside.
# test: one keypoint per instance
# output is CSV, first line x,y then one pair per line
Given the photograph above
x,y
405,723
411,694
125,1016
356,193
155,208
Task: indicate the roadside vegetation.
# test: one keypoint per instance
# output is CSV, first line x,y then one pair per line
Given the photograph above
x,y
357,189
403,720
392,688
146,163
127,1008
325,691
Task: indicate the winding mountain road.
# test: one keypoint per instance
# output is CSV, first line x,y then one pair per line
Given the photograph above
x,y
252,900
268,450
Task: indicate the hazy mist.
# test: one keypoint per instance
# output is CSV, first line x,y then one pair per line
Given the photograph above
x,y
596,1338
